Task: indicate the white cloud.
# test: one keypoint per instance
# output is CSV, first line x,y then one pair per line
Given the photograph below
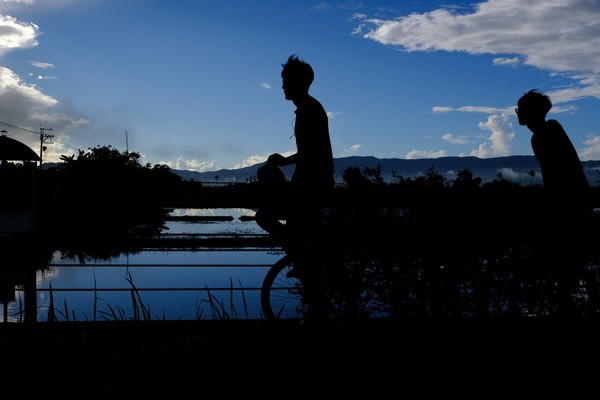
x,y
11,84
256,159
498,143
192,165
10,5
352,150
473,109
454,139
496,110
26,107
43,77
20,102
16,35
592,149
561,36
506,61
15,5
592,89
414,154
265,86
42,65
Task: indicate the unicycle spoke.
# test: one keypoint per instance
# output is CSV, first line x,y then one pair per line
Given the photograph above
x,y
281,295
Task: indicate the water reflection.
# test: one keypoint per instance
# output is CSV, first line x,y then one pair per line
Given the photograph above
x,y
399,269
22,256
171,284
199,221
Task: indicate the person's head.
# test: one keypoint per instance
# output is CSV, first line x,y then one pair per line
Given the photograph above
x,y
297,76
532,107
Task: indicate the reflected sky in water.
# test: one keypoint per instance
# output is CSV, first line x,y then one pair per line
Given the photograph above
x,y
231,278
238,224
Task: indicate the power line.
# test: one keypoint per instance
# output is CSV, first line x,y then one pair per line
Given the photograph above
x,y
18,127
44,137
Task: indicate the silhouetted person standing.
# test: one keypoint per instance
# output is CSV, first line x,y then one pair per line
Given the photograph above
x,y
312,180
562,173
564,205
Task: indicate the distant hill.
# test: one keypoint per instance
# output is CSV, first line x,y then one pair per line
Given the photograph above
x,y
514,168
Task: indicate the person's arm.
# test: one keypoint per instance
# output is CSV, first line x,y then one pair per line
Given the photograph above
x,y
278,159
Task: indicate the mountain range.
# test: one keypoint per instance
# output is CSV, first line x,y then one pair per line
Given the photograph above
x,y
524,170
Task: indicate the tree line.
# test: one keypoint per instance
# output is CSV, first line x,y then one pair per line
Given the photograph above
x,y
103,189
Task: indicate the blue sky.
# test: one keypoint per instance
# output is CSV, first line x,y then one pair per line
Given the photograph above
x,y
196,84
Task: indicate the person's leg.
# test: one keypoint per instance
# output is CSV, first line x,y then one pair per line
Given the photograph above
x,y
268,219
307,239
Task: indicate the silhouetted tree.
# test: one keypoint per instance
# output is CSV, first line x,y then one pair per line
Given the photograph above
x,y
432,179
103,189
466,180
354,179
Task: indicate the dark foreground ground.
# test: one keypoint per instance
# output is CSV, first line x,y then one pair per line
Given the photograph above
x,y
258,359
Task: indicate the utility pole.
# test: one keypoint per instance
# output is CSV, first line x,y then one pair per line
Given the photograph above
x,y
43,138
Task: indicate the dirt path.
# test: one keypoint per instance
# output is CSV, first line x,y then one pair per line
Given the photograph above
x,y
229,359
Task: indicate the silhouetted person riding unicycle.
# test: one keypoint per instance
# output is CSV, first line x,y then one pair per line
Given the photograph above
x,y
300,201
